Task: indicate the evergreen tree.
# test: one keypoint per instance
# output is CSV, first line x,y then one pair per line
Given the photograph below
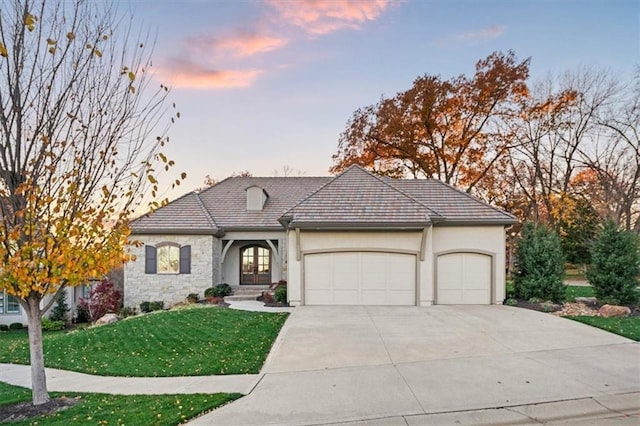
x,y
615,265
539,265
60,310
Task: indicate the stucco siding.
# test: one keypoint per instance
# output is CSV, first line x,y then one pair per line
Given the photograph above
x,y
170,288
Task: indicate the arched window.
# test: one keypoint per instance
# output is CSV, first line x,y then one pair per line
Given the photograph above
x,y
168,258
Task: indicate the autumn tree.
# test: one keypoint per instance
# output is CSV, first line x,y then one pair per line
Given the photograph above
x,y
78,149
443,129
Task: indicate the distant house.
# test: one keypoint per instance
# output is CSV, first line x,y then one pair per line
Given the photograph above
x,y
352,239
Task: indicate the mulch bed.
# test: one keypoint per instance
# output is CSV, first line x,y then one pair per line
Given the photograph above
x,y
25,410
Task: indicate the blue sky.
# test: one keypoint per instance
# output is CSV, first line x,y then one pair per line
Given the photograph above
x,y
264,84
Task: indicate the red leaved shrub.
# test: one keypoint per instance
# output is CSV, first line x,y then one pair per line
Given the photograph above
x,y
104,298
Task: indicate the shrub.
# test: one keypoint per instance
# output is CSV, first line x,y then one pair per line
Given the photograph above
x,y
511,302
4,327
60,310
50,325
157,305
82,313
127,312
615,265
16,326
281,294
145,307
539,265
104,298
220,290
193,298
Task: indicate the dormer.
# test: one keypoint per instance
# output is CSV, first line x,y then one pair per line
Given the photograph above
x,y
256,197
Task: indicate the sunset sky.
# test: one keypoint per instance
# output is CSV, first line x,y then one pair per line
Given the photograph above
x,y
264,84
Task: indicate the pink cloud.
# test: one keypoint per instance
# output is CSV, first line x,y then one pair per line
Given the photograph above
x,y
319,17
185,74
488,33
244,44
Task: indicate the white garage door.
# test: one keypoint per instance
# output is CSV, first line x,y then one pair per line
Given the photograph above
x,y
360,278
464,279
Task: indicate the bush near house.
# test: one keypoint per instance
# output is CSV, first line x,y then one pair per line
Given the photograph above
x,y
104,298
615,266
280,294
220,290
539,265
61,308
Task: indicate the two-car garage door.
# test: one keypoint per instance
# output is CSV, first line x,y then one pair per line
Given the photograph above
x,y
381,278
360,278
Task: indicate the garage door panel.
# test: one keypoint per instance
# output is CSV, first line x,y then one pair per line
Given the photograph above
x,y
360,278
464,278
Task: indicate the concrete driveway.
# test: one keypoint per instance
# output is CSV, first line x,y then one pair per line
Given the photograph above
x,y
440,365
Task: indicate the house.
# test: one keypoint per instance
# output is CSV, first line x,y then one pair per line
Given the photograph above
x,y
352,239
11,311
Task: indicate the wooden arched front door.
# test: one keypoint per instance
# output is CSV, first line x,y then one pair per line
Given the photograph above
x,y
255,265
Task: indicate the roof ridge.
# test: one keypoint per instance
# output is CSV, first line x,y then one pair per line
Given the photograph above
x,y
205,210
331,179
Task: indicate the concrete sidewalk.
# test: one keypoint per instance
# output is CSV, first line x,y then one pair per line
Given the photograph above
x,y
69,381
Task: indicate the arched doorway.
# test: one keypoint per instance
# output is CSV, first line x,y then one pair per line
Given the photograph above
x,y
255,265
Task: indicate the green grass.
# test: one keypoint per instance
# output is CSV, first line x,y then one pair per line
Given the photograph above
x,y
626,326
100,409
574,291
188,342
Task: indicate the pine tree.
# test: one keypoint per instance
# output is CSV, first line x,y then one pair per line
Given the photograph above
x,y
60,310
615,265
539,265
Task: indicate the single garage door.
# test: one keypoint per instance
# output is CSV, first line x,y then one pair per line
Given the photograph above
x,y
360,278
463,279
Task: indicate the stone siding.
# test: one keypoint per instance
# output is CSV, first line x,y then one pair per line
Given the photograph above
x,y
170,288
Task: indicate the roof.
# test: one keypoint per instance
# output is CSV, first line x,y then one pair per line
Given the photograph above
x,y
354,199
357,198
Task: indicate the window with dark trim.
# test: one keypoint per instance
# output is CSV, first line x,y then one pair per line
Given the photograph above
x,y
167,258
8,304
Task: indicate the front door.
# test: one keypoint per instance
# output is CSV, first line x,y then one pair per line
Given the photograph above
x,y
255,267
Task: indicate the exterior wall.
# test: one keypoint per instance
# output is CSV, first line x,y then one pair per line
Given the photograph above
x,y
170,288
316,241
230,265
480,239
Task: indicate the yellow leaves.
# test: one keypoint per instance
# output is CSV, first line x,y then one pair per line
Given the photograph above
x,y
51,42
3,51
152,179
183,175
132,76
30,21
132,89
71,36
97,52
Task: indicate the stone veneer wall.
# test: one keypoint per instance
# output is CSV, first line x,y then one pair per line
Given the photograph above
x,y
171,288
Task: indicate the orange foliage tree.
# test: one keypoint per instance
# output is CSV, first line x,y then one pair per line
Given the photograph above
x,y
444,129
78,150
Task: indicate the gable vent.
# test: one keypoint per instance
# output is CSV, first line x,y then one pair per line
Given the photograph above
x,y
256,198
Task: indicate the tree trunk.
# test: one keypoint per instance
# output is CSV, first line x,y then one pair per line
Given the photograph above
x,y
39,392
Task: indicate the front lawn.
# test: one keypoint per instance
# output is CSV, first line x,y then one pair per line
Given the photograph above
x,y
626,326
188,342
103,409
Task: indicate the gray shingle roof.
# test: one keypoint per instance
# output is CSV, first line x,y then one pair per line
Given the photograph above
x,y
185,215
454,205
355,198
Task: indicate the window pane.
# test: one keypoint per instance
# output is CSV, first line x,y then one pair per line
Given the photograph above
x,y
12,305
168,260
247,261
263,260
2,302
